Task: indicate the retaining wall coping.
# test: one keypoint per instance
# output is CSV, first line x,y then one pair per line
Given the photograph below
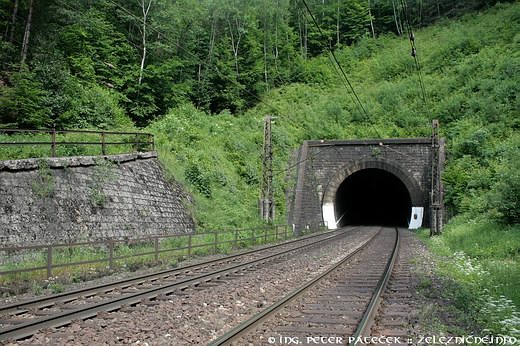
x,y
72,161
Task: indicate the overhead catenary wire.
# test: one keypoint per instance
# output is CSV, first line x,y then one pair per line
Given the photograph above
x,y
408,25
343,76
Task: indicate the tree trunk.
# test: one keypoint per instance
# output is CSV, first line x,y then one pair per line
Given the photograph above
x,y
399,32
371,21
13,22
337,24
146,10
235,42
27,33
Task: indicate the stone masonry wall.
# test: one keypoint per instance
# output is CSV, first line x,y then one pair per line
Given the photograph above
x,y
61,200
325,158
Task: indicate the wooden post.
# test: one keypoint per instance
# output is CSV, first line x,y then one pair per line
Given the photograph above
x,y
111,253
53,142
156,241
103,144
137,142
151,142
49,261
189,244
216,241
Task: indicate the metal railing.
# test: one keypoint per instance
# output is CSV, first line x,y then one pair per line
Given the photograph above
x,y
140,141
157,245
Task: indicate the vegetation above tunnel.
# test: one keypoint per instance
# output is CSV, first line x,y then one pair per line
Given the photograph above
x,y
469,67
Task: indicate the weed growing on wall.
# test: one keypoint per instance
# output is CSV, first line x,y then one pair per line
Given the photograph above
x,y
43,185
103,173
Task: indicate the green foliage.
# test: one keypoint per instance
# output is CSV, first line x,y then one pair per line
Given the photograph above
x,y
44,186
22,104
482,256
102,173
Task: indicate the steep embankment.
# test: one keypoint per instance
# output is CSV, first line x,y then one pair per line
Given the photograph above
x,y
470,73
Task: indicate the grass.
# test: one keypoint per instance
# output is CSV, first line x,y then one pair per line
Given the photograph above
x,y
132,256
481,257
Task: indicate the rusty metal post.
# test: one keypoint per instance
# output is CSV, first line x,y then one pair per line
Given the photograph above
x,y
136,143
156,243
103,144
151,141
267,195
436,202
49,261
111,253
53,142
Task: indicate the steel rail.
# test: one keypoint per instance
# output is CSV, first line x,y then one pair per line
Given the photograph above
x,y
47,301
29,328
367,321
243,328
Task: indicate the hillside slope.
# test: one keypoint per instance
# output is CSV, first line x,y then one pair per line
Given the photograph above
x,y
470,72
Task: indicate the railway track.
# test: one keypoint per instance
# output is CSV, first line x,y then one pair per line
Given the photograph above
x,y
342,303
21,320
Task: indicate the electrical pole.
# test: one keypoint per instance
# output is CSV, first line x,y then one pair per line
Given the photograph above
x,y
267,195
436,194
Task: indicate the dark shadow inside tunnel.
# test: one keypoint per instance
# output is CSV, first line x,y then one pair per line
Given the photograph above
x,y
372,197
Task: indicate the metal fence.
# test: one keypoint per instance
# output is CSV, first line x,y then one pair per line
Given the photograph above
x,y
138,140
156,246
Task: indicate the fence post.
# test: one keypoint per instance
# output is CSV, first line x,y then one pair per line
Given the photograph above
x,y
151,141
49,261
53,142
111,253
276,228
189,244
103,144
235,244
156,240
285,233
215,244
253,236
136,143
265,234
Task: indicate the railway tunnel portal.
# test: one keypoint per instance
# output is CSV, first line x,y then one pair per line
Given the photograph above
x,y
363,182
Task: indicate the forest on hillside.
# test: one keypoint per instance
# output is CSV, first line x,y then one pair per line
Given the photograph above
x,y
202,74
120,63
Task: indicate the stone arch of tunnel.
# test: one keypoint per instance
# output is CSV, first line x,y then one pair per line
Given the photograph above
x,y
374,192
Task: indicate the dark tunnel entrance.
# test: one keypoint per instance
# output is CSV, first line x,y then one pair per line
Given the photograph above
x,y
372,197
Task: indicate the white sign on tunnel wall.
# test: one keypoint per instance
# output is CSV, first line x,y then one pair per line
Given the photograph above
x,y
416,217
329,216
